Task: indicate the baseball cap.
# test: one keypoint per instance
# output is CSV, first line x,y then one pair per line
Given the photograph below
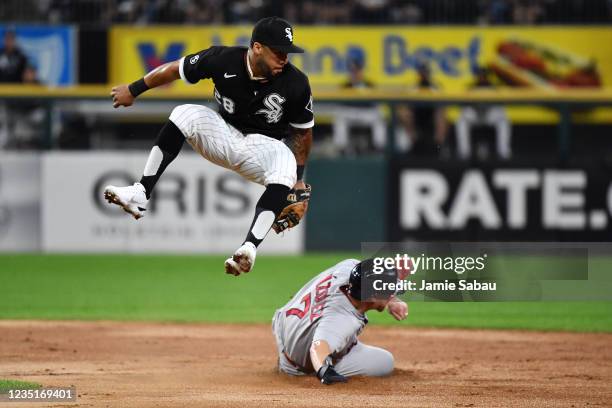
x,y
275,33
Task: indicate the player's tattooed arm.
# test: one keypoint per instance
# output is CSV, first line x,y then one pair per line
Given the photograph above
x,y
299,142
124,95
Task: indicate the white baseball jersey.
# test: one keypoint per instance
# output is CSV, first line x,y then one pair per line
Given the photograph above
x,y
319,311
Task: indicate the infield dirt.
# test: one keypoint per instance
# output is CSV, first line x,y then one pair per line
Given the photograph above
x,y
125,364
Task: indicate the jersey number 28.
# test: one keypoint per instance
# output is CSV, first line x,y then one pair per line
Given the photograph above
x,y
227,103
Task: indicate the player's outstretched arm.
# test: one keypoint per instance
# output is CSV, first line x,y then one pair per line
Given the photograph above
x,y
124,95
320,355
299,142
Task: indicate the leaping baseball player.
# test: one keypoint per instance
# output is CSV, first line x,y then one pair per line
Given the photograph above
x,y
316,332
263,100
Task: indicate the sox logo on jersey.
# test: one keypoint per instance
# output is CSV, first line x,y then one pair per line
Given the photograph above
x,y
275,110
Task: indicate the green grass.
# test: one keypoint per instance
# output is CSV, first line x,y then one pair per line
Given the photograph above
x,y
195,288
6,385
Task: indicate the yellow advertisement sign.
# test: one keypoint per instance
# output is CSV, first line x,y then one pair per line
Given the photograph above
x,y
534,57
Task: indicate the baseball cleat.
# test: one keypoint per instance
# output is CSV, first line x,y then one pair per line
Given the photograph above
x,y
242,261
132,199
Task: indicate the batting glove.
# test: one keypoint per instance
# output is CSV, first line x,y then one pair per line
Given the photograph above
x,y
328,374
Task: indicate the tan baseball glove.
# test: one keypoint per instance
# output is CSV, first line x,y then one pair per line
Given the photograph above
x,y
294,211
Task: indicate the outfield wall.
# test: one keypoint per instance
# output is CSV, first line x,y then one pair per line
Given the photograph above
x,y
406,199
53,202
20,202
348,203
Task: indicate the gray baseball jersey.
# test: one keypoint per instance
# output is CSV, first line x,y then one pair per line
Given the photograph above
x,y
319,311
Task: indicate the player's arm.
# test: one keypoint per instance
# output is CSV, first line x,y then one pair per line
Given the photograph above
x,y
319,351
332,335
191,68
320,355
124,95
299,142
397,308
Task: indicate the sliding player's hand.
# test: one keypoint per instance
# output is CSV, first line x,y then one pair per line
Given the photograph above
x,y
398,309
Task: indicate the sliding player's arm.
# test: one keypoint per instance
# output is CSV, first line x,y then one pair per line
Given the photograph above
x,y
320,355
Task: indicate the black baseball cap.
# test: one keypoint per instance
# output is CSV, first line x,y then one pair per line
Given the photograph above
x,y
275,33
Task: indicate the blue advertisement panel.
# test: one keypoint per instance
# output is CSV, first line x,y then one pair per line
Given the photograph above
x,y
51,51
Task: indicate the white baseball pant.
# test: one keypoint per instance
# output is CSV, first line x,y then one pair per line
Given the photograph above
x,y
256,157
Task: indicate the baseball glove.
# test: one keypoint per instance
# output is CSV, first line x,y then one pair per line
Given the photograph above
x,y
294,211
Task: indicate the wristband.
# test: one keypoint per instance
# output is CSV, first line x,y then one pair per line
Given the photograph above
x,y
138,87
300,172
327,363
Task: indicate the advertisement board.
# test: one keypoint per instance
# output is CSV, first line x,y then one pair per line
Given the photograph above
x,y
20,197
197,207
51,51
540,57
502,202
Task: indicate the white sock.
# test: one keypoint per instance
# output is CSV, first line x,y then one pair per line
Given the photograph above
x,y
153,162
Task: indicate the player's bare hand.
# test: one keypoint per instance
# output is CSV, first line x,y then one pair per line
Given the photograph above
x,y
121,96
398,309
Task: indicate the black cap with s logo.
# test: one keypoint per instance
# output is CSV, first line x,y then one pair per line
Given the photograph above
x,y
276,33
